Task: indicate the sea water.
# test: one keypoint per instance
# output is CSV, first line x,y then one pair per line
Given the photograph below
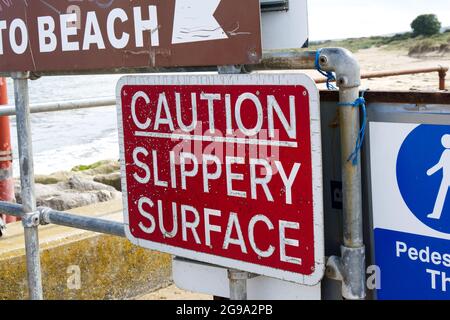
x,y
62,140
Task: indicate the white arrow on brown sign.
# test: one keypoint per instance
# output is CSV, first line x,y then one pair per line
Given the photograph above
x,y
194,21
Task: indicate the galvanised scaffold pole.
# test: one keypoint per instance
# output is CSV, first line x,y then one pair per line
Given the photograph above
x,y
30,217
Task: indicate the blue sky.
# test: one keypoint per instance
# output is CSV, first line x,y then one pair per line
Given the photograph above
x,y
334,19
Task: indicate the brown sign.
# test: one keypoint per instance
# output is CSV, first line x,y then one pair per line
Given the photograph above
x,y
59,35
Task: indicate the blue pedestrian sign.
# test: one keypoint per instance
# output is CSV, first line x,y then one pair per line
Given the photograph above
x,y
410,181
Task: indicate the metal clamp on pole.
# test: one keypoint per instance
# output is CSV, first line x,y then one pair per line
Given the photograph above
x,y
347,269
31,220
27,185
238,283
350,267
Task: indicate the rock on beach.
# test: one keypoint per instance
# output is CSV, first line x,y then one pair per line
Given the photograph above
x,y
82,186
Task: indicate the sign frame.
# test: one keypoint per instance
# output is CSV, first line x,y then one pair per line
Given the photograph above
x,y
275,24
285,79
213,280
396,113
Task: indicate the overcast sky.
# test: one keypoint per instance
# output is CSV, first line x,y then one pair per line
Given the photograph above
x,y
358,18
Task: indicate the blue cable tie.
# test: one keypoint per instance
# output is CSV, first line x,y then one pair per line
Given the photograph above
x,y
360,102
328,74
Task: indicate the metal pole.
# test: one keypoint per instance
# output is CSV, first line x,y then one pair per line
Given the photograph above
x,y
285,60
49,216
238,284
272,60
351,173
237,279
62,106
30,219
442,75
442,71
353,250
350,267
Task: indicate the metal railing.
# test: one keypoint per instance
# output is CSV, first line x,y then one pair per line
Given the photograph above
x,y
107,102
331,59
44,216
442,73
61,106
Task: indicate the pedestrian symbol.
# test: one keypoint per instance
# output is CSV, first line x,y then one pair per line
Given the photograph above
x,y
444,165
423,175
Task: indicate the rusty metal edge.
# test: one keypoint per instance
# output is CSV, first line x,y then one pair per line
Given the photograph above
x,y
410,97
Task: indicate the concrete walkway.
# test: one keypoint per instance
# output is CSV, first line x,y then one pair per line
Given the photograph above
x,y
174,293
78,264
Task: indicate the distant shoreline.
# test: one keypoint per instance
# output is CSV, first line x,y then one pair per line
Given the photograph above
x,y
439,43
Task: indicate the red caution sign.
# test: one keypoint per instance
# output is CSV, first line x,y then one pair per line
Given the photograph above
x,y
226,170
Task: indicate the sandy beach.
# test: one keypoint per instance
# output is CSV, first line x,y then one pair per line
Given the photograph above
x,y
377,60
